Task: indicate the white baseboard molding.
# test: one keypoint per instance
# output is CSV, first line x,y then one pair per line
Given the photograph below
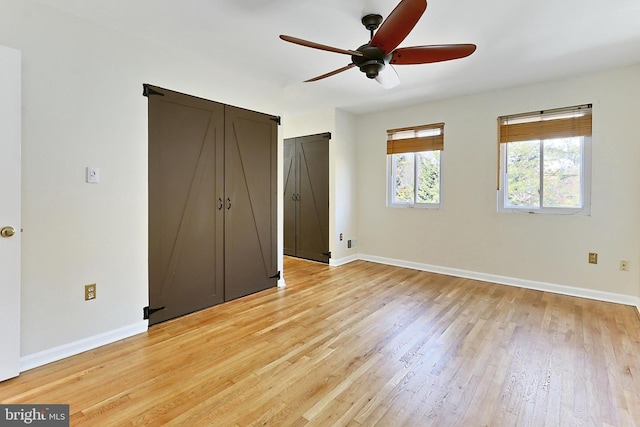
x,y
343,261
511,281
57,353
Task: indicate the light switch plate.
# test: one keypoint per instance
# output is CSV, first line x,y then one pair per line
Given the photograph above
x,y
93,175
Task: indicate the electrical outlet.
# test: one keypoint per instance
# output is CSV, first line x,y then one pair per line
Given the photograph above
x,y
341,237
624,265
593,258
90,292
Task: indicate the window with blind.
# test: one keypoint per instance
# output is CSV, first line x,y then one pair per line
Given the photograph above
x,y
414,157
545,159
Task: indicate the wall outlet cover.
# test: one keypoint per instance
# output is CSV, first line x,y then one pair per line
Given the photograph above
x,y
90,292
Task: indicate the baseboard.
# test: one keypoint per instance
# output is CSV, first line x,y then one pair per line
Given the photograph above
x,y
343,261
511,281
57,353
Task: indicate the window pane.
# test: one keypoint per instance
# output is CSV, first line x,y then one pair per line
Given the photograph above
x,y
428,163
562,166
523,174
403,166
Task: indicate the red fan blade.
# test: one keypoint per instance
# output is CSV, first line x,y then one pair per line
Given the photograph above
x,y
339,70
434,53
319,46
398,24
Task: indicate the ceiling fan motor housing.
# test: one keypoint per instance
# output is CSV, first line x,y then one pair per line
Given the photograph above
x,y
372,61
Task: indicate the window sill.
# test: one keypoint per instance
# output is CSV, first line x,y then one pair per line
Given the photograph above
x,y
575,212
414,206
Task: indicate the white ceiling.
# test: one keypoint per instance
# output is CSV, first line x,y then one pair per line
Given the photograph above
x,y
518,41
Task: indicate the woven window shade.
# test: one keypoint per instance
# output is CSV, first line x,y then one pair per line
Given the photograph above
x,y
560,123
415,139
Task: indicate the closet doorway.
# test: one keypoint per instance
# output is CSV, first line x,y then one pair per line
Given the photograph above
x,y
306,197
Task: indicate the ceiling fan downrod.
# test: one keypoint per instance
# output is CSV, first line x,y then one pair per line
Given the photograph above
x,y
373,60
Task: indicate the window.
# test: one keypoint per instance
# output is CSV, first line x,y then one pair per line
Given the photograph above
x,y
414,156
545,160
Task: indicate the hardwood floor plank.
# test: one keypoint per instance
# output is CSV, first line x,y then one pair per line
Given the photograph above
x,y
362,345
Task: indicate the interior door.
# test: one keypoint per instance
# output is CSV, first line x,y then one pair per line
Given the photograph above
x,y
186,216
306,197
10,136
250,202
290,172
312,228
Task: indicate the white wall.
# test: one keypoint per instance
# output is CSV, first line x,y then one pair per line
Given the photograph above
x,y
342,172
309,123
83,106
469,235
345,170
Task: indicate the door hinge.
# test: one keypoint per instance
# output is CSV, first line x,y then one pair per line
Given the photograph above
x,y
277,119
148,90
327,254
275,276
146,312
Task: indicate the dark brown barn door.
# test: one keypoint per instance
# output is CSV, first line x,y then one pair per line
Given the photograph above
x,y
290,171
186,262
250,202
306,198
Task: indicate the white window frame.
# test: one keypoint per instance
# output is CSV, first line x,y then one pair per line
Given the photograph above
x,y
391,175
585,184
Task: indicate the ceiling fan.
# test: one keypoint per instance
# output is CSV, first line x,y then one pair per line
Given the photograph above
x,y
375,58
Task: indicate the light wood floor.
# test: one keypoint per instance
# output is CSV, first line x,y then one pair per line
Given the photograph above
x,y
362,345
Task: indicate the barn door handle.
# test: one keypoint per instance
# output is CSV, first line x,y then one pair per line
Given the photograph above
x,y
220,203
228,203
